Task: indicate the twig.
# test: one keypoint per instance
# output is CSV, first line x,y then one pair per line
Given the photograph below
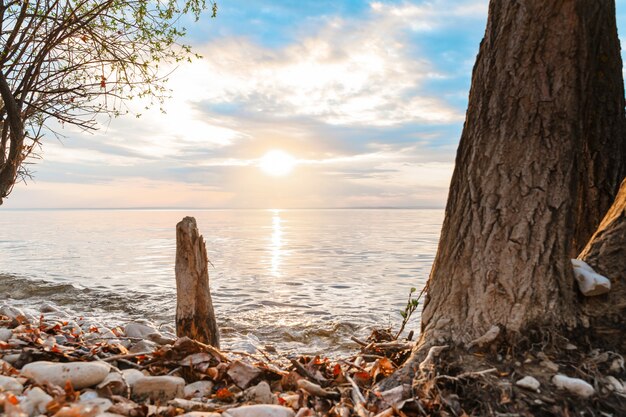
x,y
360,342
306,373
126,356
467,374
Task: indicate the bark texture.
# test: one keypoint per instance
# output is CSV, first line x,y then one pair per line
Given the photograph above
x,y
195,317
540,160
606,253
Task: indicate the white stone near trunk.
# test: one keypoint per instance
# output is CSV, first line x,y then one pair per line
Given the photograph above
x,y
260,393
10,384
574,385
589,282
80,374
528,382
259,410
158,388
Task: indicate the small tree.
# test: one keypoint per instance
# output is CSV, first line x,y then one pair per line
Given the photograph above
x,y
68,61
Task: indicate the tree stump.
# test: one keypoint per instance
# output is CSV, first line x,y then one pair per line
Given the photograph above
x,y
195,317
606,253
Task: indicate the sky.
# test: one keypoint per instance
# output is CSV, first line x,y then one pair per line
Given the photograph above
x,y
367,99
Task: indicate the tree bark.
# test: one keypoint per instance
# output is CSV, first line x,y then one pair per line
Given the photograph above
x,y
195,317
606,254
541,156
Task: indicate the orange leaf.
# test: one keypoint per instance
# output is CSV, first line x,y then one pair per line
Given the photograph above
x,y
224,394
336,370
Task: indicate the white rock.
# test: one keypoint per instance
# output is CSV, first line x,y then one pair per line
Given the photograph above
x,y
161,339
577,263
10,311
574,385
259,410
139,330
101,404
200,414
12,358
528,382
80,374
242,373
10,384
114,383
615,384
5,334
591,283
198,389
260,393
158,388
131,376
143,346
35,401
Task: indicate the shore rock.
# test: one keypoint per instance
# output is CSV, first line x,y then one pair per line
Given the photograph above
x,y
200,414
528,382
5,334
131,376
114,383
10,384
242,373
143,346
139,330
198,389
80,374
158,388
35,402
574,385
260,393
259,410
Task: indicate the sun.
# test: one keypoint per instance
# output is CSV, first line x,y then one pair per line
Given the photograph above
x,y
277,163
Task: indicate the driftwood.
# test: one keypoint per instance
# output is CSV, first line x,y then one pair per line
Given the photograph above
x,y
195,317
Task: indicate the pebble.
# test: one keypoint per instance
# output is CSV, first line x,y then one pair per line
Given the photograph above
x,y
158,388
80,374
200,414
35,401
615,384
5,334
102,404
114,383
131,376
260,393
242,373
528,382
574,385
139,330
198,389
162,339
10,384
143,346
259,410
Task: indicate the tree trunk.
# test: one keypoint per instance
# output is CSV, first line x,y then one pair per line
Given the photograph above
x,y
195,317
606,254
541,156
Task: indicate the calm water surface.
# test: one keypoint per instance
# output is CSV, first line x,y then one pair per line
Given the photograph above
x,y
302,280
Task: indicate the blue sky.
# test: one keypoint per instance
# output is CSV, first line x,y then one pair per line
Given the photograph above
x,y
368,97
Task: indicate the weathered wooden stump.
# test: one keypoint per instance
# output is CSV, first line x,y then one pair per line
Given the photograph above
x,y
195,317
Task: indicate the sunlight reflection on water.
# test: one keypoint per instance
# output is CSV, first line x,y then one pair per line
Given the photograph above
x,y
304,280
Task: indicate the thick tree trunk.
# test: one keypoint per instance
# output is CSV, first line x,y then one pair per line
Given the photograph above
x,y
540,159
195,317
606,254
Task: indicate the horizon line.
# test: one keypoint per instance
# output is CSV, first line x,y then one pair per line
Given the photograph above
x,y
222,208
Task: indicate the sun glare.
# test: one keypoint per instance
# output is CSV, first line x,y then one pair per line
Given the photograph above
x,y
277,163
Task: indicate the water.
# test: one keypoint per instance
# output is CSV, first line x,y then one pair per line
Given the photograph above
x,y
301,280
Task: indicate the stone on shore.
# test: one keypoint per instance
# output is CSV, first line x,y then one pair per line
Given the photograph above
x,y
574,385
35,402
242,373
198,389
158,388
114,383
528,382
260,393
200,414
5,334
259,410
139,330
80,374
143,346
10,384
131,376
